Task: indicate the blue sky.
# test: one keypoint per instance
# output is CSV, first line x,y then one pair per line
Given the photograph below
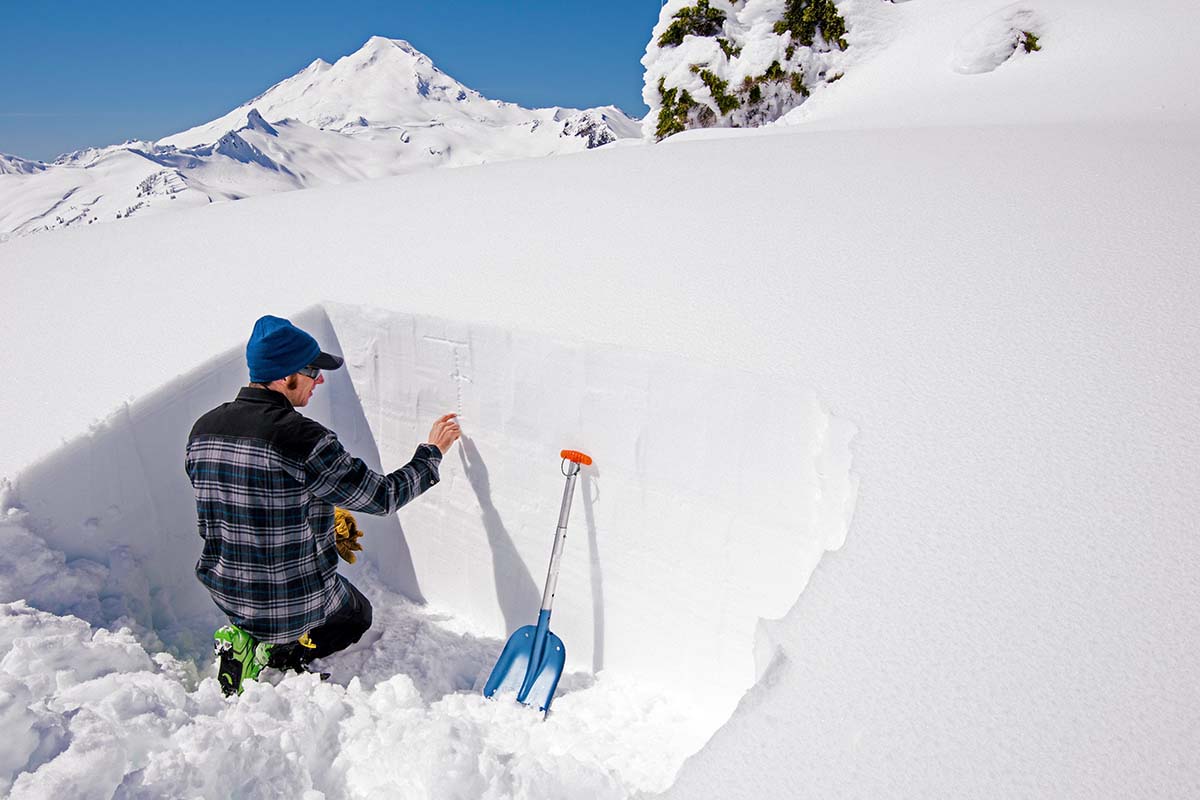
x,y
78,74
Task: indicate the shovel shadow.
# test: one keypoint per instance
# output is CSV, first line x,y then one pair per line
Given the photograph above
x,y
591,493
579,680
515,590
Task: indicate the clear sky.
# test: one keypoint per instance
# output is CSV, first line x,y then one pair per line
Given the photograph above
x,y
78,74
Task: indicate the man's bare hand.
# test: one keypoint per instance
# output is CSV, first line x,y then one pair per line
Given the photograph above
x,y
445,432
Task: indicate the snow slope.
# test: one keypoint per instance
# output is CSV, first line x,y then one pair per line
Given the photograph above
x,y
977,337
382,110
936,63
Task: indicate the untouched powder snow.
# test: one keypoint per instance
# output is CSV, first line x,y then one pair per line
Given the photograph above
x,y
964,347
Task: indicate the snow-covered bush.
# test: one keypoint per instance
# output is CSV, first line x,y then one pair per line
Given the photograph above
x,y
737,63
1011,32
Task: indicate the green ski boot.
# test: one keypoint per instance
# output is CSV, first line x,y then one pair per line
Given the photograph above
x,y
241,658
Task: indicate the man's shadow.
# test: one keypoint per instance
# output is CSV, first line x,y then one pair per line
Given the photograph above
x,y
515,590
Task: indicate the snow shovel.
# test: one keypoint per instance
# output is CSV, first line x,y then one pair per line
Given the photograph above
x,y
532,660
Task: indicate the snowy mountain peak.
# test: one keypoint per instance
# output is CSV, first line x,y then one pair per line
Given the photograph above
x,y
395,57
255,122
382,110
387,82
402,69
383,44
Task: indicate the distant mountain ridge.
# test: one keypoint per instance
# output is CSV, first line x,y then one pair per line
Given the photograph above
x,y
383,110
14,165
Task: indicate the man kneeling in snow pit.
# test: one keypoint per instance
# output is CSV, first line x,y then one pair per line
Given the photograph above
x,y
267,481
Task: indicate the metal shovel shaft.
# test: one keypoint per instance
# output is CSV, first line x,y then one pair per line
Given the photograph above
x,y
560,538
543,627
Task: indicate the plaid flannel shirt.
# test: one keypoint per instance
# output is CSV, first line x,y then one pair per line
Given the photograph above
x,y
267,479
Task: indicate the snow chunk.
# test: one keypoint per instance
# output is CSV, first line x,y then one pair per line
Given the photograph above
x,y
29,570
54,653
19,722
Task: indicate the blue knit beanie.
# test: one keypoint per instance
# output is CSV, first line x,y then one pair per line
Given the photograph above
x,y
277,348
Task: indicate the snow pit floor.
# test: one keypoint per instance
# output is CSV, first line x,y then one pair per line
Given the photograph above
x,y
92,714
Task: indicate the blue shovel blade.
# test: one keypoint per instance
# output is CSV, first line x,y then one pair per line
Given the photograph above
x,y
514,664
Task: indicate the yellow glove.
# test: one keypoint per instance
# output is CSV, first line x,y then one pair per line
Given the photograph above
x,y
348,534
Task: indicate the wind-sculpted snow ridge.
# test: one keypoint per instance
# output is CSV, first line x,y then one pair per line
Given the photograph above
x,y
665,579
383,110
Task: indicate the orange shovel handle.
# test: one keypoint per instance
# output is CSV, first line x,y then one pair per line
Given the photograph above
x,y
577,457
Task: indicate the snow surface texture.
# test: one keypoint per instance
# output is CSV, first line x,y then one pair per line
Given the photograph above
x,y
383,110
992,275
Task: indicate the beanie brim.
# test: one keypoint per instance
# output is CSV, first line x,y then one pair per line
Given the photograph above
x,y
327,361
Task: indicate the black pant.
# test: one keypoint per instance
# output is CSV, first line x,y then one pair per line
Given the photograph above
x,y
343,628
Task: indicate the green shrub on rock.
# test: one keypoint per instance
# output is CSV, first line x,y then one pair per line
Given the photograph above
x,y
698,20
805,18
672,117
725,102
706,39
798,84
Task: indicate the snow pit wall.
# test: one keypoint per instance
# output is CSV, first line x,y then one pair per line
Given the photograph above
x,y
713,496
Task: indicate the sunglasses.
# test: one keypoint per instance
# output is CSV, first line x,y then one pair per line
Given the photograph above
x,y
310,372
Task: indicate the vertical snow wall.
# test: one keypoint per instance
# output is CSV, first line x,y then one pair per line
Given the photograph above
x,y
713,496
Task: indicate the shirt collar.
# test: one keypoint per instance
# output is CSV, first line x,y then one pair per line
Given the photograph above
x,y
253,394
